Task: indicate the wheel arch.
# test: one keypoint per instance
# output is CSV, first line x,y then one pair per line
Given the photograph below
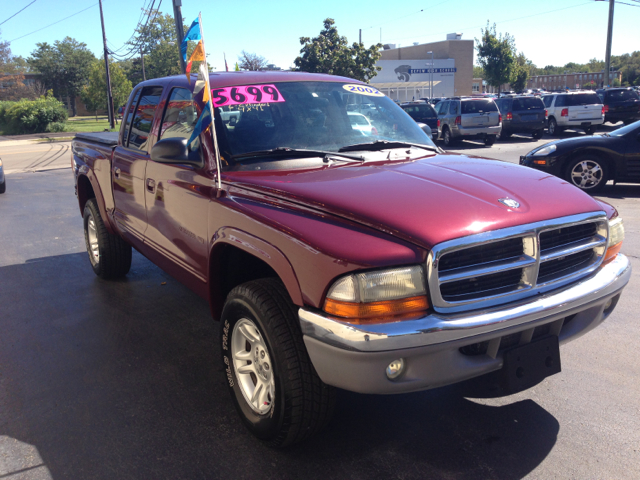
x,y
602,155
237,257
87,187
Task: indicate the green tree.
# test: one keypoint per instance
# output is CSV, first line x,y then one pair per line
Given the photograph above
x,y
158,42
12,70
520,74
496,55
94,94
64,66
330,53
478,72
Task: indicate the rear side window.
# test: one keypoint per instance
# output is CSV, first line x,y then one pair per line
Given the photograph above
x,y
561,101
582,99
128,117
180,116
442,107
453,108
143,118
547,100
479,106
621,95
425,111
528,103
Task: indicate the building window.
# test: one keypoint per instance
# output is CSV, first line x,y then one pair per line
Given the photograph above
x,y
475,87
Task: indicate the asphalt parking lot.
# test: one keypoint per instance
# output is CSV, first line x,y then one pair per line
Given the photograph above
x,y
120,379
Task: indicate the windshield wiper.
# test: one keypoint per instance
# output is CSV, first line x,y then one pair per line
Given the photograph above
x,y
383,145
295,152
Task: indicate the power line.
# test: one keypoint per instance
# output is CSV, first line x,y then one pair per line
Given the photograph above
x,y
52,24
144,9
34,1
135,47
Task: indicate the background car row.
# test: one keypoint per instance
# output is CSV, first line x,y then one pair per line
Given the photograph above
x,y
485,118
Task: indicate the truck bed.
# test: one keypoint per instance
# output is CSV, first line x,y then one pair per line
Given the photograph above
x,y
105,138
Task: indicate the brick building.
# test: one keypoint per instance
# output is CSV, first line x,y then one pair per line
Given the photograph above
x,y
570,80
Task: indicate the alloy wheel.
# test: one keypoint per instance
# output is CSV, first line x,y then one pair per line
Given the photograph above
x,y
253,366
587,174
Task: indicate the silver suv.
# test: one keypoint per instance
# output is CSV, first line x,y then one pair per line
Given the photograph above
x,y
573,110
468,117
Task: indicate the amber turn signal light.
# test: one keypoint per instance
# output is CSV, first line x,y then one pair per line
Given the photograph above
x,y
370,310
612,252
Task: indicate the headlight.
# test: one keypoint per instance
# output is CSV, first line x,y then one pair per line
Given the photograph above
x,y
545,151
381,293
616,236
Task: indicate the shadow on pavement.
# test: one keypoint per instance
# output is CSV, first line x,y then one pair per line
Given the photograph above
x,y
620,191
121,380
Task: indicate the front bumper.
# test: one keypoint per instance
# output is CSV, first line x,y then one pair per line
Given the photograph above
x,y
354,357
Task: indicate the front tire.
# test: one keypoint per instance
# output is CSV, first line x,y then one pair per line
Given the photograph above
x,y
272,382
489,140
537,134
590,130
587,172
110,255
3,186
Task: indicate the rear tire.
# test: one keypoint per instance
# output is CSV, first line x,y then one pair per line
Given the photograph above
x,y
447,138
553,127
110,255
504,135
270,377
3,186
587,172
489,140
538,134
590,130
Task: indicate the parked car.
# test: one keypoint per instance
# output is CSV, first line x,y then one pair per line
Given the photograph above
x,y
521,115
332,260
620,104
3,180
360,122
589,162
422,113
468,118
573,110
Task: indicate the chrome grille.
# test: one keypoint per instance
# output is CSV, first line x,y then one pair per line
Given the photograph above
x,y
505,265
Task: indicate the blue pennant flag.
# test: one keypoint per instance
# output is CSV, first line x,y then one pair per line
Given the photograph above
x,y
203,123
192,34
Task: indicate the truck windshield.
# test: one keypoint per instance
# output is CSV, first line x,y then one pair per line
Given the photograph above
x,y
322,116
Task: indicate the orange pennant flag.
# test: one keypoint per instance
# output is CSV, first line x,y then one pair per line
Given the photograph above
x,y
196,56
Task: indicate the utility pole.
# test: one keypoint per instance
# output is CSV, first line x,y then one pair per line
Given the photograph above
x,y
106,64
144,75
177,15
360,39
607,57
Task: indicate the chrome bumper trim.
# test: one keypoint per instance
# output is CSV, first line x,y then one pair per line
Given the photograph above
x,y
439,328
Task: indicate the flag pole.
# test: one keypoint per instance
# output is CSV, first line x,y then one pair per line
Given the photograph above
x,y
213,118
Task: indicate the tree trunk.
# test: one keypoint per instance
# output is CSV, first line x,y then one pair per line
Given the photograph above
x,y
74,109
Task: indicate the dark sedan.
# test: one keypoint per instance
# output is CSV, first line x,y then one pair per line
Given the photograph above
x,y
589,162
620,104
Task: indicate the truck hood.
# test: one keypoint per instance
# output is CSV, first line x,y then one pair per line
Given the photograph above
x,y
428,200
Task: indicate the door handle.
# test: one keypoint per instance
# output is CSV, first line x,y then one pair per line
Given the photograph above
x,y
116,172
151,185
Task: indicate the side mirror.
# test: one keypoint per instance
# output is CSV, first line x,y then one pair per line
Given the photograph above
x,y
175,150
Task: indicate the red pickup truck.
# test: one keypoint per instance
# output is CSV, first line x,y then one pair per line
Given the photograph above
x,y
335,256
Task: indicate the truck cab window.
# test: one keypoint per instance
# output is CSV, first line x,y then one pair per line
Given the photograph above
x,y
128,117
143,117
180,115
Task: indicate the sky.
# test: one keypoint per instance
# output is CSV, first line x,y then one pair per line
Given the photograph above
x,y
549,32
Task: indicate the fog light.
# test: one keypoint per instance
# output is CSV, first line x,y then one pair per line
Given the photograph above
x,y
395,368
608,304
